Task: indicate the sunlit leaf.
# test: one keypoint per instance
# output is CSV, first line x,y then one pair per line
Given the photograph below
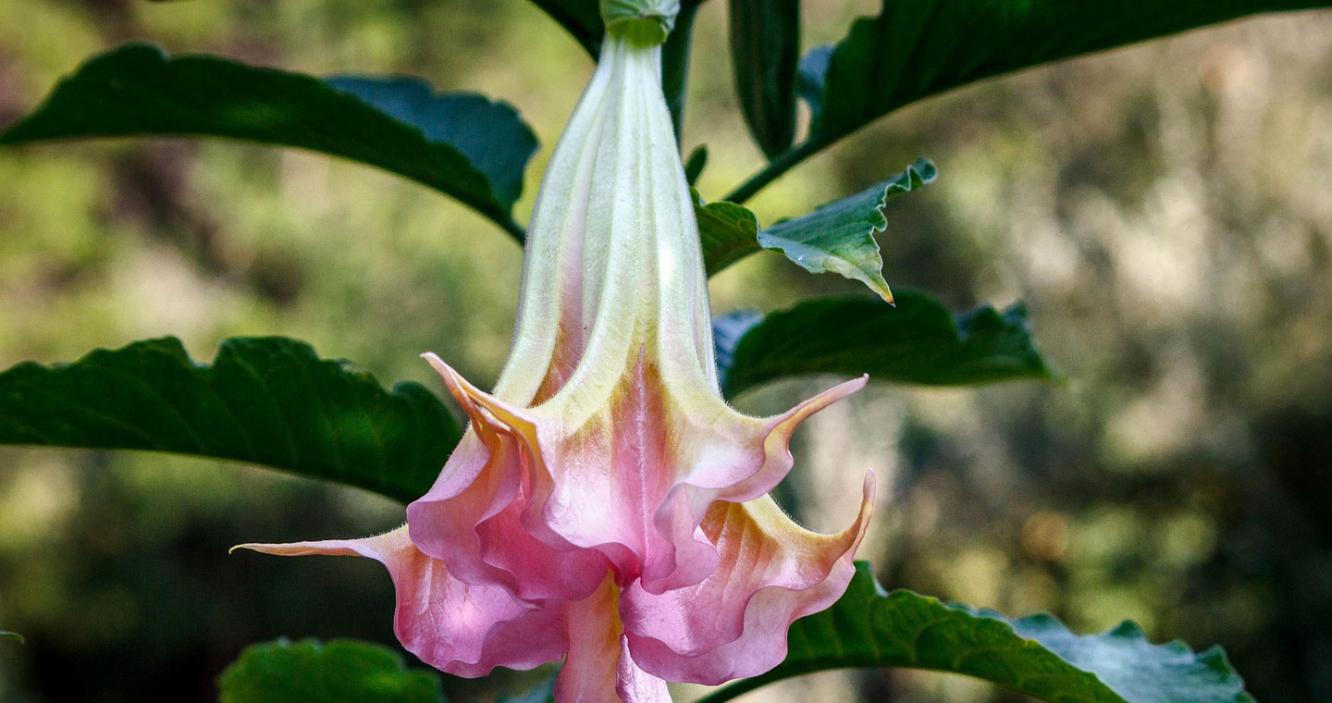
x,y
267,401
836,238
460,144
765,49
1037,656
341,671
917,342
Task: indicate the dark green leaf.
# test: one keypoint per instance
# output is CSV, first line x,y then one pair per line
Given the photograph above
x,y
918,48
491,135
1036,655
462,145
913,50
582,19
267,401
917,342
342,671
837,237
765,49
7,635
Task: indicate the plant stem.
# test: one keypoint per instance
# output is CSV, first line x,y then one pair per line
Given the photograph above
x,y
782,163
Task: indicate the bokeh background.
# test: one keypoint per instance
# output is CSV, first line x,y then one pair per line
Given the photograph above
x,y
1164,210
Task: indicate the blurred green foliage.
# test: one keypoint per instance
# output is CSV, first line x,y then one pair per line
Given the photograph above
x,y
1163,210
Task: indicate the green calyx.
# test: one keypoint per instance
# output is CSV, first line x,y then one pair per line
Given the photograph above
x,y
643,22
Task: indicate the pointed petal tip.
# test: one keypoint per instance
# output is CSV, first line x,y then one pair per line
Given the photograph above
x,y
443,369
869,493
273,549
463,392
826,398
281,550
468,394
333,548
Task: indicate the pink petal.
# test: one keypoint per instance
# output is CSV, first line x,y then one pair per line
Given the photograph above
x,y
460,628
635,482
599,668
711,479
472,517
734,623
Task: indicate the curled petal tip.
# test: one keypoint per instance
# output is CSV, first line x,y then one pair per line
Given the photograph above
x,y
463,391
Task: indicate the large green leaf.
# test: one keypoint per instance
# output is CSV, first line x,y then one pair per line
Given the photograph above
x,y
836,238
460,144
913,50
765,50
917,342
1036,655
7,635
342,671
917,48
267,401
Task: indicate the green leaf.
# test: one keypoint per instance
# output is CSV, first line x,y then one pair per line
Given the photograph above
x,y
917,342
342,671
582,19
765,50
459,144
919,48
913,50
267,401
837,237
1036,655
7,635
727,232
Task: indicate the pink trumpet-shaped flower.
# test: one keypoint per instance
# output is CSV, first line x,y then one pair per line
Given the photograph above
x,y
606,505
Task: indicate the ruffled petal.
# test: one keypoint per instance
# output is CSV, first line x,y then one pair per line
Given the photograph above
x,y
734,623
472,518
635,481
599,668
760,457
460,628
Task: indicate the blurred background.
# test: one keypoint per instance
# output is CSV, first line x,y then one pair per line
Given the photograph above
x,y
1164,210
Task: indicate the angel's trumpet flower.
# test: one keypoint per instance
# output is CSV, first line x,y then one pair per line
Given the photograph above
x,y
606,505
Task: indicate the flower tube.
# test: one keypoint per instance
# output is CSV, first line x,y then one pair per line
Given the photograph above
x,y
606,506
